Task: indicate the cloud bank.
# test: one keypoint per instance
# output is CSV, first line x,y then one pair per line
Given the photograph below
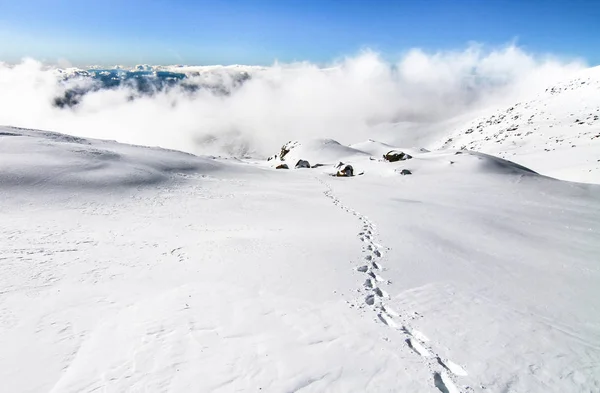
x,y
343,101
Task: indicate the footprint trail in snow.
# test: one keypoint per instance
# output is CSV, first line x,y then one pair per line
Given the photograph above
x,y
444,372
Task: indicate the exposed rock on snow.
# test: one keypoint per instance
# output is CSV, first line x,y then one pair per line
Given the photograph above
x,y
285,149
463,161
405,172
345,170
282,166
395,155
302,164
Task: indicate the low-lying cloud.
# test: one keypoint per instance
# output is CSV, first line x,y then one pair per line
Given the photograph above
x,y
255,115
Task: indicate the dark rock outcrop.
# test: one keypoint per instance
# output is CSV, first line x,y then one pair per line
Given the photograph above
x,y
302,164
345,170
396,155
285,149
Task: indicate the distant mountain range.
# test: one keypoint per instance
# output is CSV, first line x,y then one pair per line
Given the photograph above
x,y
147,80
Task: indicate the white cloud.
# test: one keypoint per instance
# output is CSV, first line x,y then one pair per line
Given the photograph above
x,y
286,101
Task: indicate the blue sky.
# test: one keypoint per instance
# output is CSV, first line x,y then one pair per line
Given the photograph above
x,y
262,31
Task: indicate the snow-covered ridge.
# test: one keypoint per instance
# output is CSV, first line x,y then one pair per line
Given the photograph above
x,y
370,158
557,132
318,151
42,159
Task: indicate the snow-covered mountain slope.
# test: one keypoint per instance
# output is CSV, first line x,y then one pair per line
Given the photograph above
x,y
317,151
54,159
378,149
473,274
556,133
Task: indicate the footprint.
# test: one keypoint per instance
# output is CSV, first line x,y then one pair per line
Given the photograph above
x,y
376,265
370,300
416,334
388,310
370,247
377,253
417,347
443,382
369,283
363,269
381,293
369,257
387,320
452,367
376,277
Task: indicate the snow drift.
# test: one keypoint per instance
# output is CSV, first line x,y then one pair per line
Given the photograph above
x,y
42,159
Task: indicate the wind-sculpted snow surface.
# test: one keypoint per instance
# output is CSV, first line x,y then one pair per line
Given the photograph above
x,y
377,298
48,159
473,274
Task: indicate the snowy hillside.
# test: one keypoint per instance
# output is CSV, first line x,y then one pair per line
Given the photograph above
x,y
556,133
317,151
126,268
48,159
